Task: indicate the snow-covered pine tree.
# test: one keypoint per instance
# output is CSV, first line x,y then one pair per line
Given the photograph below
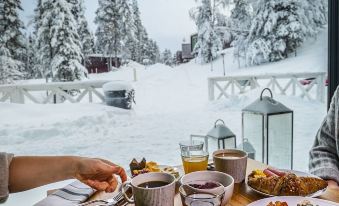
x,y
32,67
136,47
167,58
277,30
144,46
240,25
109,34
12,45
86,37
9,67
154,53
208,43
58,44
126,27
317,12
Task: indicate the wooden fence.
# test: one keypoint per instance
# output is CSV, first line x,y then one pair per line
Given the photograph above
x,y
57,92
310,86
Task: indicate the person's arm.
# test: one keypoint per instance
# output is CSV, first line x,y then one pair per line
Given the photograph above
x,y
324,160
30,172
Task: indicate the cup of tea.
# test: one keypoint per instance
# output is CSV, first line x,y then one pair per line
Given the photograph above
x,y
151,189
232,162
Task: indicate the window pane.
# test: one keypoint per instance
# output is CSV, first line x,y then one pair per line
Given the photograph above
x,y
280,140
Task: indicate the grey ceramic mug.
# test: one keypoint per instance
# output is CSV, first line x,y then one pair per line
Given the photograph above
x,y
232,162
156,196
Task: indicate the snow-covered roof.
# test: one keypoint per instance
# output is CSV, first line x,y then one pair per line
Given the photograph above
x,y
117,86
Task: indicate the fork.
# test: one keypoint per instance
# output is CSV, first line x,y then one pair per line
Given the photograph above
x,y
109,202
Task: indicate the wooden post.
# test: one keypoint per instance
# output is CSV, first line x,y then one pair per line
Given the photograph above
x,y
294,86
90,95
211,96
321,87
135,74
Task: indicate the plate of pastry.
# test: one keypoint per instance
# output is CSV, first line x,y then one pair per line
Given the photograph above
x,y
292,201
273,182
137,168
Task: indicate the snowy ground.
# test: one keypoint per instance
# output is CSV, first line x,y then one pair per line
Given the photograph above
x,y
172,103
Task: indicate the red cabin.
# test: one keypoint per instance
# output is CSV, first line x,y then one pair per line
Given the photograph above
x,y
98,63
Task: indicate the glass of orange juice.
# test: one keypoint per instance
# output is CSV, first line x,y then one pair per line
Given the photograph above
x,y
194,161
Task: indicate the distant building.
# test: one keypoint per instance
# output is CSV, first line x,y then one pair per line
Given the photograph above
x,y
98,63
186,51
179,59
194,40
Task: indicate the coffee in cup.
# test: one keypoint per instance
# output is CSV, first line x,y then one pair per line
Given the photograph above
x,y
232,162
151,189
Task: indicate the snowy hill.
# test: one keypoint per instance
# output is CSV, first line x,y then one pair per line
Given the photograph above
x,y
171,104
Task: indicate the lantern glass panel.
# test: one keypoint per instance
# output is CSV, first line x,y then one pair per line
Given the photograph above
x,y
253,131
229,143
280,140
212,144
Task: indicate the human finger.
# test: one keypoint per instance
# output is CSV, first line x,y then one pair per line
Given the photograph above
x,y
101,186
113,184
121,172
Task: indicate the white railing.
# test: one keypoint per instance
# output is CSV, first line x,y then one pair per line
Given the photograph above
x,y
57,92
285,84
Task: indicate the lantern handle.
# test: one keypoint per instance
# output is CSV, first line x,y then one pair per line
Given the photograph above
x,y
219,120
264,91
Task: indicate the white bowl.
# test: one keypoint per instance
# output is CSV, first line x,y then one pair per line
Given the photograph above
x,y
226,180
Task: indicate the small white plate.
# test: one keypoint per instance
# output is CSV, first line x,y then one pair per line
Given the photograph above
x,y
292,201
299,174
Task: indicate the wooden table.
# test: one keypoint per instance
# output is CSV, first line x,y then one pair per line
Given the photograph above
x,y
242,195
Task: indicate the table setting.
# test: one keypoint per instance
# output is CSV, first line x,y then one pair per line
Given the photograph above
x,y
215,171
228,178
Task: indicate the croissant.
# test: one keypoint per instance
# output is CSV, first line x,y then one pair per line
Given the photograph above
x,y
287,185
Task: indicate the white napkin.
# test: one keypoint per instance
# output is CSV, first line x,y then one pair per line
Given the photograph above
x,y
73,194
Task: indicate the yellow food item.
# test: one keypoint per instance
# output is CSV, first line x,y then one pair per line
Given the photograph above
x,y
278,203
152,167
258,173
171,170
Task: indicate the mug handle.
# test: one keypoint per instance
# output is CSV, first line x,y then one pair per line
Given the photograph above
x,y
125,186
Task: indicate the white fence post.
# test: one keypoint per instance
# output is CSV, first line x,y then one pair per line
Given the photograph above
x,y
211,96
321,87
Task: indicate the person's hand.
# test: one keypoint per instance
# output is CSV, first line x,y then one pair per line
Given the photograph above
x,y
99,174
333,184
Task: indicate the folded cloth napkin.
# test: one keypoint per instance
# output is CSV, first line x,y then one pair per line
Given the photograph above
x,y
73,194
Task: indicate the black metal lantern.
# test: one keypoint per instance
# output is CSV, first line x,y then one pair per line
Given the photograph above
x,y
219,137
267,125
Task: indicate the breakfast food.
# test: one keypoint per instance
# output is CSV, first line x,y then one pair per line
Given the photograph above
x,y
274,182
142,167
207,185
277,203
306,203
171,170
